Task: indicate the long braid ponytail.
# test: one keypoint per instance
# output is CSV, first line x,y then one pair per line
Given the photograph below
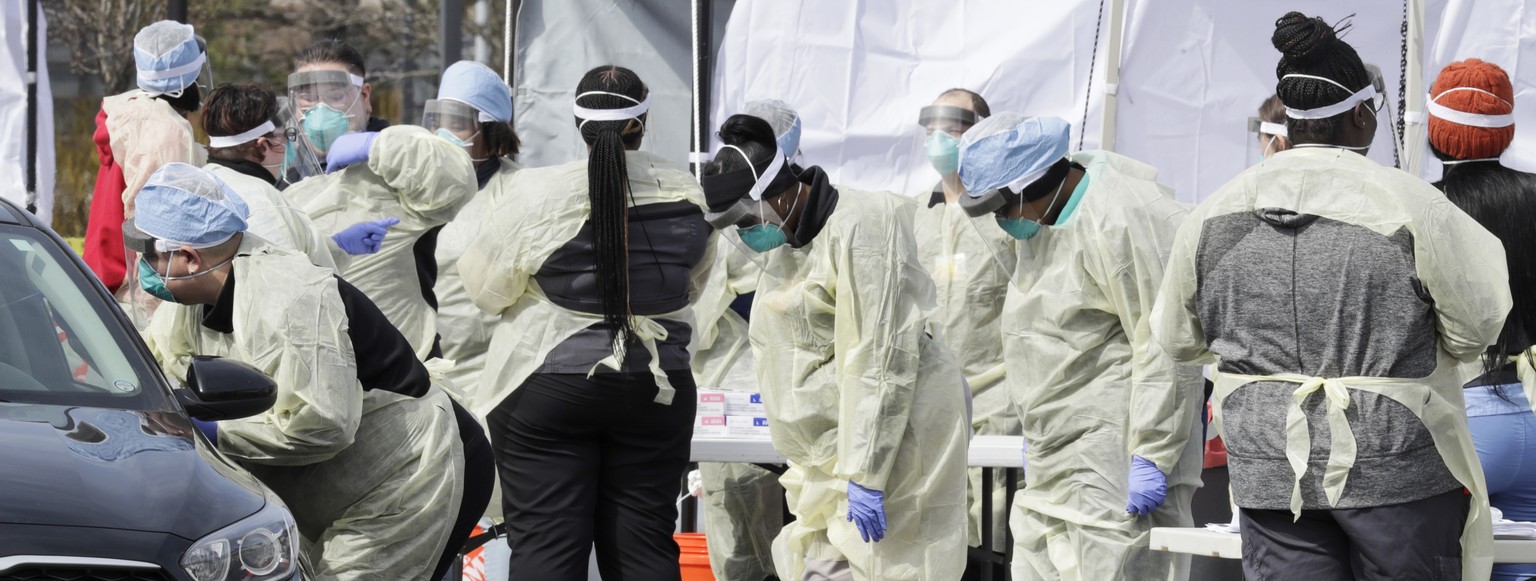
x,y
608,187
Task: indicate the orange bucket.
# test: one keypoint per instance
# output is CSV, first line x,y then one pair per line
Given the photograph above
x,y
693,557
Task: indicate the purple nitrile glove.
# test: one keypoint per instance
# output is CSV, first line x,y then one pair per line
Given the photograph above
x,y
349,149
210,430
1148,487
364,237
866,510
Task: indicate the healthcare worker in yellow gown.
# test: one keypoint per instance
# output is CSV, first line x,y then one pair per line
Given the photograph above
x,y
868,409
1112,426
1340,302
360,444
971,262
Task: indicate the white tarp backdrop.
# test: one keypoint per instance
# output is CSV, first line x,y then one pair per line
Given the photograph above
x,y
858,72
13,112
559,41
1192,73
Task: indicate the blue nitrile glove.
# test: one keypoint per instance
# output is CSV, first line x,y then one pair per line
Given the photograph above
x,y
210,430
866,510
1148,487
349,149
364,237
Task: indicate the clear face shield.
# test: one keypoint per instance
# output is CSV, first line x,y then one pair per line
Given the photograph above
x,y
755,223
328,104
1005,208
454,121
299,159
943,125
205,73
1264,140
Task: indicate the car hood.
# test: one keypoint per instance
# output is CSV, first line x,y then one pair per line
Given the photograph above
x,y
118,469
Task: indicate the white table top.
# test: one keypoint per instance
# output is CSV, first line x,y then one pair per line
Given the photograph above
x,y
1199,541
985,451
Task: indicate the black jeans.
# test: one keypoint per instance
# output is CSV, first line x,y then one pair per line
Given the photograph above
x,y
1413,541
479,480
593,462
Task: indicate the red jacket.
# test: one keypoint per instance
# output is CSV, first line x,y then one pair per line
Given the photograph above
x,y
104,251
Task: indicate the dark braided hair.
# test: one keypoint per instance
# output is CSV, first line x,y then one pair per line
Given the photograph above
x,y
1310,46
608,187
753,136
234,108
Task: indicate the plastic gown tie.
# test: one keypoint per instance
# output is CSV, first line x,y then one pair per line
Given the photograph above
x,y
648,331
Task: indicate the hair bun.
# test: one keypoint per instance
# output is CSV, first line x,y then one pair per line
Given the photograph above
x,y
1302,39
742,129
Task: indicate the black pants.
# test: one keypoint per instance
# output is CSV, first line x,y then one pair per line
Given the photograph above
x,y
1414,541
593,462
479,479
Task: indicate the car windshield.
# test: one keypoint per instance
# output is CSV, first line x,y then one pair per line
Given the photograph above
x,y
60,341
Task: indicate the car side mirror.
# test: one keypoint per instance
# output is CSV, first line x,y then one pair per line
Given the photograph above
x,y
225,389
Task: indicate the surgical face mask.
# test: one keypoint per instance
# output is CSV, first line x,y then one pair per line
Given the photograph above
x,y
1024,228
943,152
323,124
1019,228
450,137
150,281
763,237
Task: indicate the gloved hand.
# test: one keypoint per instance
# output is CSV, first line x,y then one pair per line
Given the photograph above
x,y
364,237
866,510
349,149
210,430
695,483
1148,487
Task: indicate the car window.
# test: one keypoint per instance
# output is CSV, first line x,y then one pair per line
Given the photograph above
x,y
60,344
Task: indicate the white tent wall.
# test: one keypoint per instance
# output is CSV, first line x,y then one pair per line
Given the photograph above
x,y
13,112
859,71
1194,71
1502,32
560,40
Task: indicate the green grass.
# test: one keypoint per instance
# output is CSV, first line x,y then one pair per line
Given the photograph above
x,y
78,244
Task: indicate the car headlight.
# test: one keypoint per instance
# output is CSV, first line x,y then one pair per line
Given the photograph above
x,y
260,547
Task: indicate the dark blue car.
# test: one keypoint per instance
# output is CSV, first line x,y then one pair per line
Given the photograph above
x,y
102,474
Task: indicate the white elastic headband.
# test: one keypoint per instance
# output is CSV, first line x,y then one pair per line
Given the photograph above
x,y
1444,113
1274,129
763,179
1018,185
1361,96
174,72
624,114
242,138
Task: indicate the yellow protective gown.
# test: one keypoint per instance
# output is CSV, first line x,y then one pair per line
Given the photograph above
x,y
542,210
273,219
374,478
465,329
742,504
147,133
1091,386
1459,263
415,176
971,261
856,390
